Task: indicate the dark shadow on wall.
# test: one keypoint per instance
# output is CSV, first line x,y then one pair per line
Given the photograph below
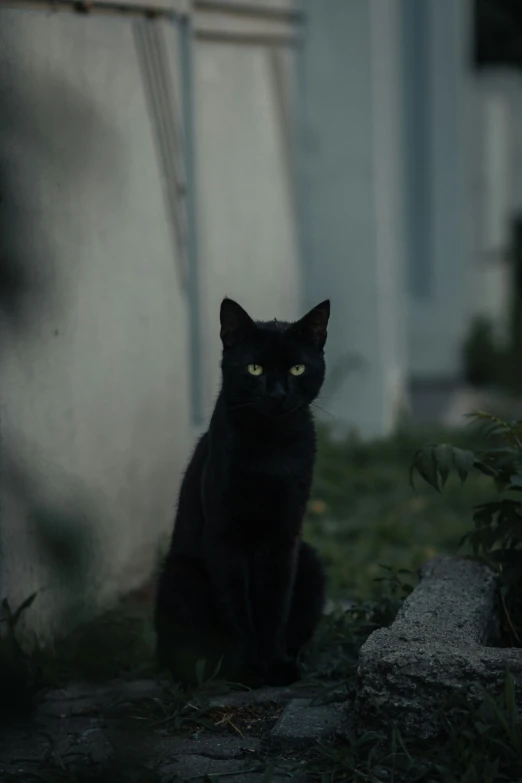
x,y
61,531
54,143
61,549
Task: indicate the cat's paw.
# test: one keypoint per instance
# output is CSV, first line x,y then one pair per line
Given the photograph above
x,y
282,671
253,678
251,674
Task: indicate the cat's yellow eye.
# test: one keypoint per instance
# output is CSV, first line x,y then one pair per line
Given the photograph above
x,y
297,369
255,369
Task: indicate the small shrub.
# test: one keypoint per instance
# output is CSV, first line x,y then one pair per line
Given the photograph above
x,y
362,511
497,532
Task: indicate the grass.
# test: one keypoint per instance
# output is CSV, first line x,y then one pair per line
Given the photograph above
x,y
364,513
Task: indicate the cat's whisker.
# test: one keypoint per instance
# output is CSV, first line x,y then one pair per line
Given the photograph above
x,y
328,413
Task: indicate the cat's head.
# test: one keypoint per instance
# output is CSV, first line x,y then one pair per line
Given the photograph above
x,y
272,367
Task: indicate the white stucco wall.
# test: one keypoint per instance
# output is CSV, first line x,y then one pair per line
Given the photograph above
x,y
505,85
351,158
493,183
95,426
96,305
497,166
440,300
245,194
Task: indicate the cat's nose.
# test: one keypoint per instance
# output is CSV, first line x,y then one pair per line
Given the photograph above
x,y
277,392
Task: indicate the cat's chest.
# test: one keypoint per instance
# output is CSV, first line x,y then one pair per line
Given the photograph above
x,y
277,467
268,488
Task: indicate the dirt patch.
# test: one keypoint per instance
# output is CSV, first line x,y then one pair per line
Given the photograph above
x,y
253,719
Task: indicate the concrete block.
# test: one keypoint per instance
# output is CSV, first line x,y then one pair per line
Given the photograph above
x,y
302,724
444,640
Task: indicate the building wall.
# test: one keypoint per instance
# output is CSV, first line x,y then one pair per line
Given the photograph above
x,y
437,74
492,201
351,161
497,195
505,87
93,364
248,243
96,305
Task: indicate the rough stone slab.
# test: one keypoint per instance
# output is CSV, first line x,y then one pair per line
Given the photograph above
x,y
82,699
18,748
197,768
65,738
442,641
302,724
81,722
221,748
81,725
175,753
263,696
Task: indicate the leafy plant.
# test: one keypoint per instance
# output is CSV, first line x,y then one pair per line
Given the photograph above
x,y
362,511
497,532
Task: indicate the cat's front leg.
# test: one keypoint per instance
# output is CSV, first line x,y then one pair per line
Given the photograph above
x,y
274,574
230,580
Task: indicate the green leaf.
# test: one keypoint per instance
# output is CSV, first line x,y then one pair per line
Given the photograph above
x,y
444,461
501,484
488,417
218,668
7,611
200,671
487,470
464,461
425,464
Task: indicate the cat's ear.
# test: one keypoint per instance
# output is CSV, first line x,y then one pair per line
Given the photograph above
x,y
313,326
236,324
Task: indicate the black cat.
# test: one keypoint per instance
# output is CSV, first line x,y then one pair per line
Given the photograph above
x,y
239,585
